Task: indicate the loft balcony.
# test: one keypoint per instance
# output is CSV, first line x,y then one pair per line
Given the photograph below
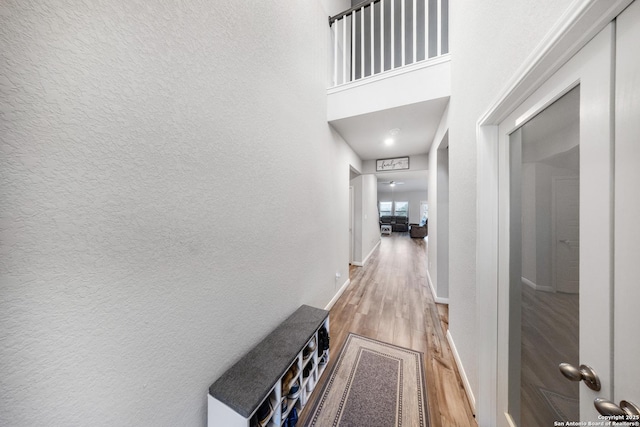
x,y
390,71
413,31
388,54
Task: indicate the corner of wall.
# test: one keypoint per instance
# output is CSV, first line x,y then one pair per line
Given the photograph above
x,y
436,298
463,374
338,294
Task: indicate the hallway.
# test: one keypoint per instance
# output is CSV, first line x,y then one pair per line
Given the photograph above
x,y
389,300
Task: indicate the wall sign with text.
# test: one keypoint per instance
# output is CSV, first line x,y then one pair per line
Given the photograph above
x,y
392,164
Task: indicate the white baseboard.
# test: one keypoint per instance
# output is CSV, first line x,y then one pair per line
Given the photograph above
x,y
361,264
338,294
371,252
436,298
536,287
463,375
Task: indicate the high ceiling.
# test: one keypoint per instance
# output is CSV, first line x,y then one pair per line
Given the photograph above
x,y
417,124
411,181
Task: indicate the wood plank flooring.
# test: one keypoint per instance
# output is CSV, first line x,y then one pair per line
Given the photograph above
x,y
550,332
389,300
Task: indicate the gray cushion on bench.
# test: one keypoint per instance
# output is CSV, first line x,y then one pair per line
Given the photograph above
x,y
245,385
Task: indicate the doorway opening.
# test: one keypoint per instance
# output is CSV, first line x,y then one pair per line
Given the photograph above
x,y
441,229
352,216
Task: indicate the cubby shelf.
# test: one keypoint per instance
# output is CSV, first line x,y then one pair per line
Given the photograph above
x,y
234,399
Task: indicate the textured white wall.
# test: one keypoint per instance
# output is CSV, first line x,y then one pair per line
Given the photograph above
x,y
370,219
366,225
489,41
356,183
167,179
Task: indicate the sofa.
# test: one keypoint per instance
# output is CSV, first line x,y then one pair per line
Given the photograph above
x,y
397,223
417,230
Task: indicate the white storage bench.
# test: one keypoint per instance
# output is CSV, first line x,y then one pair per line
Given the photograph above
x,y
234,399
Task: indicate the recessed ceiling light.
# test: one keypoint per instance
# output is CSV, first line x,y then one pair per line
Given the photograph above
x,y
388,141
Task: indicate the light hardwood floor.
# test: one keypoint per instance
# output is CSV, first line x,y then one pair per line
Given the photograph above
x,y
389,300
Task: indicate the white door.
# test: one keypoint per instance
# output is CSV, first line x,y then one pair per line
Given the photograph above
x,y
627,209
563,128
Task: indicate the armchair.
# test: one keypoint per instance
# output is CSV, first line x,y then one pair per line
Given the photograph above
x,y
417,230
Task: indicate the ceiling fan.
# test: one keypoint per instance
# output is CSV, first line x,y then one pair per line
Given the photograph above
x,y
392,183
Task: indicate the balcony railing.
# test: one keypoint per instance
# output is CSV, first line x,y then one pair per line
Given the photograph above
x,y
376,36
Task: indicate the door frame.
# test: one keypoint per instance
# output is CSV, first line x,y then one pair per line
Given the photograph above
x,y
441,229
574,29
352,215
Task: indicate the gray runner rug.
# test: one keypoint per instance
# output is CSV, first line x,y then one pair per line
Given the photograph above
x,y
373,384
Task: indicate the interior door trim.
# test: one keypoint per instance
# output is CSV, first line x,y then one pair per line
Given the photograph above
x,y
573,30
581,22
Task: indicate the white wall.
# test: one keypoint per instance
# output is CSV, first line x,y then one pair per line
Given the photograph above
x,y
537,209
366,225
529,226
358,215
167,178
488,44
408,85
370,219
